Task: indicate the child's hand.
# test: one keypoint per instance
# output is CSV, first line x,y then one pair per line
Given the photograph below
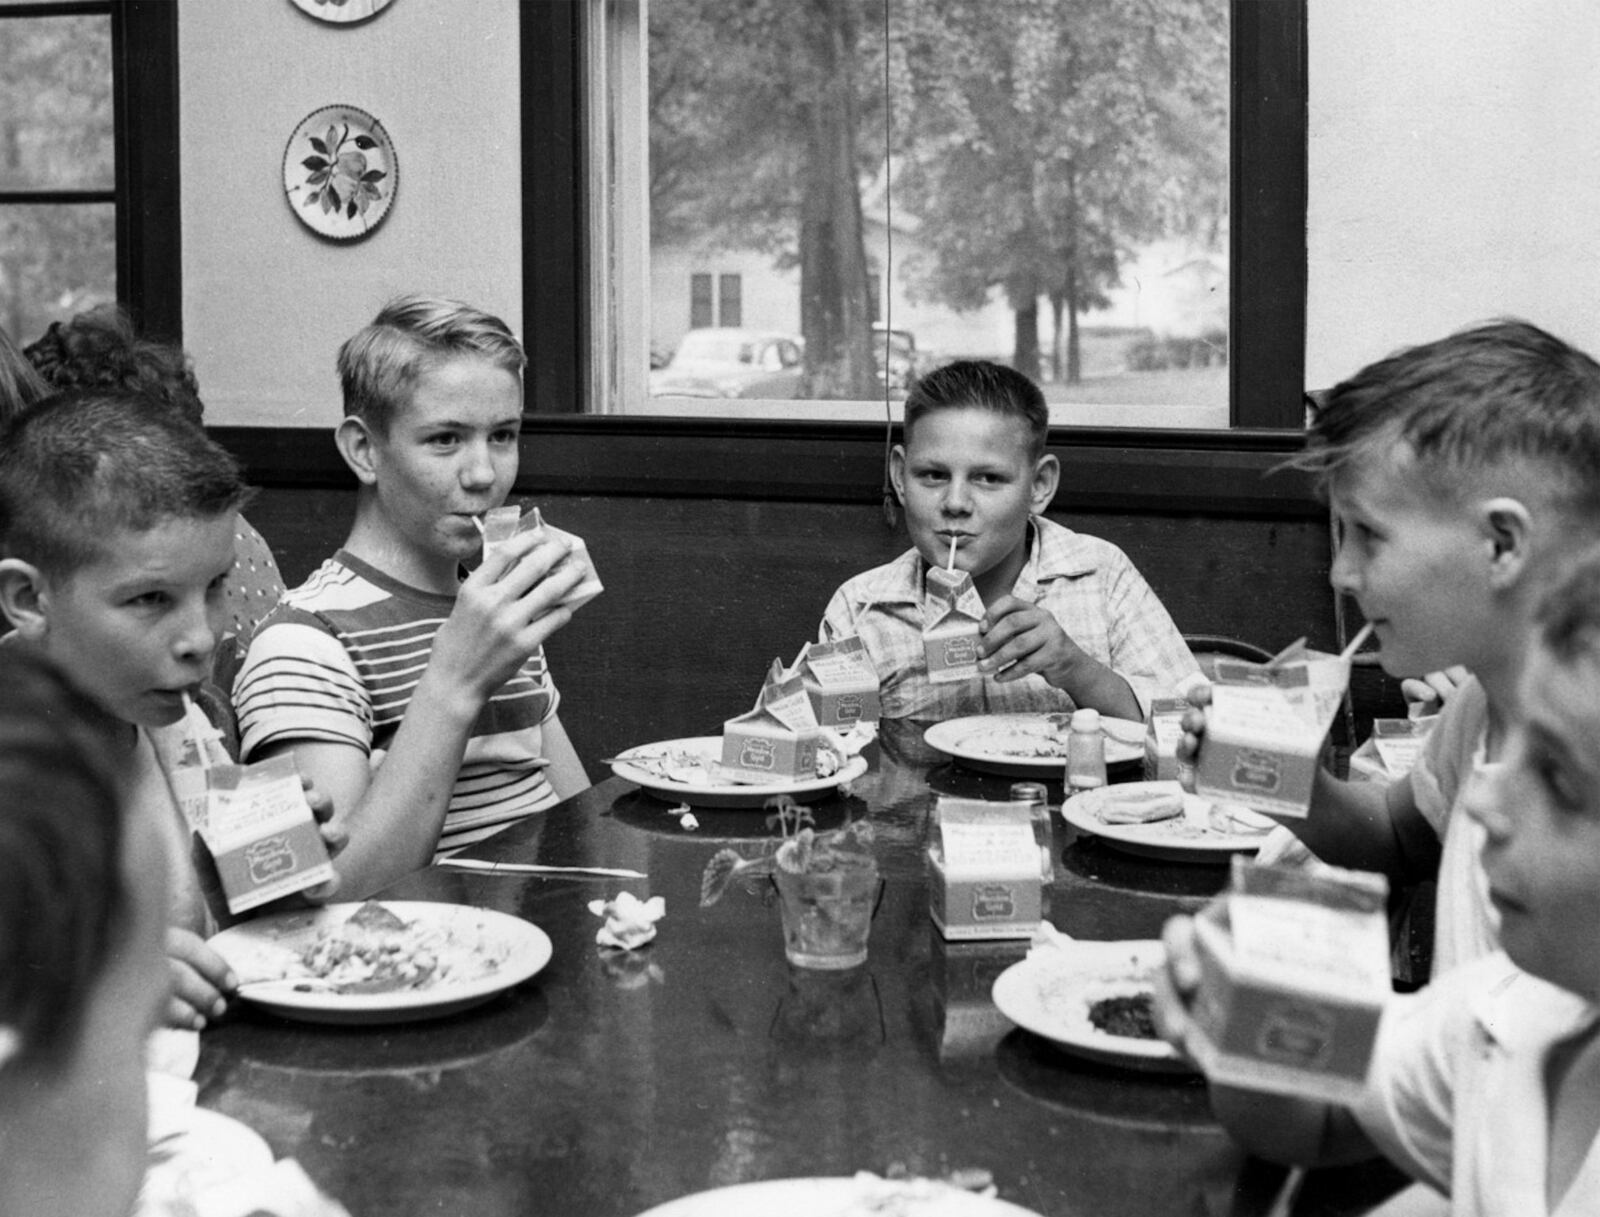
x,y
1194,723
1427,694
503,613
1022,639
202,981
334,838
1176,984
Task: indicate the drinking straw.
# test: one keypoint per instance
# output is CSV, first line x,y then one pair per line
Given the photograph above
x,y
534,868
478,523
1355,643
954,537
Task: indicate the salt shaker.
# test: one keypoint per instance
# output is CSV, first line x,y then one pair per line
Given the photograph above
x,y
1037,800
1086,752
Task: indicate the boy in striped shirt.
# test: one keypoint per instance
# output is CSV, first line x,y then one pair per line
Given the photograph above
x,y
420,701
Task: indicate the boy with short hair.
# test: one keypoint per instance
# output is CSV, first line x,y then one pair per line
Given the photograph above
x,y
1486,1084
1069,623
117,521
418,700
1461,474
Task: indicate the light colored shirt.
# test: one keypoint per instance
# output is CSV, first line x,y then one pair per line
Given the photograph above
x,y
1088,585
1466,926
338,661
1457,1094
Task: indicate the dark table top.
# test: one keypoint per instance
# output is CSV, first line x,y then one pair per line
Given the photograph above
x,y
612,1082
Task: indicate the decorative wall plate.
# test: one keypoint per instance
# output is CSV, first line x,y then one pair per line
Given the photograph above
x,y
342,12
340,172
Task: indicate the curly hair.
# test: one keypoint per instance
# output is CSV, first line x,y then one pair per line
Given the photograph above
x,y
98,349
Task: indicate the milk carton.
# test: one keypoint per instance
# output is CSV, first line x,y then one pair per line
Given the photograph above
x,y
952,610
840,681
1266,727
1294,976
261,833
778,739
1391,749
503,523
983,870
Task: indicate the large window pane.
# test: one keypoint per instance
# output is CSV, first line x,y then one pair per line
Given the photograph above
x,y
55,104
1043,182
55,260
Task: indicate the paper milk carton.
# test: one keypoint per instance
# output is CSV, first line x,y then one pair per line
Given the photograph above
x,y
840,681
1163,734
983,870
1266,727
261,833
1294,975
951,613
1391,750
776,741
503,523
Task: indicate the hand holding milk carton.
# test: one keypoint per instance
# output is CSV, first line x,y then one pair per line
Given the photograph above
x,y
500,524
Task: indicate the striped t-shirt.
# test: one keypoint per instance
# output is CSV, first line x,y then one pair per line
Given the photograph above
x,y
337,662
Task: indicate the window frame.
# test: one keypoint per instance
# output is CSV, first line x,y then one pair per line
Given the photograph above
x,y
146,191
1268,118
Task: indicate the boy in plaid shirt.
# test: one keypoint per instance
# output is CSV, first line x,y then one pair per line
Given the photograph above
x,y
1069,621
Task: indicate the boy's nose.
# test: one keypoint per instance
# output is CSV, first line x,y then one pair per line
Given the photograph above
x,y
957,501
1344,575
477,469
197,640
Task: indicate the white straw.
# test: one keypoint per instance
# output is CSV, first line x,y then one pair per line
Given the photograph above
x,y
954,537
478,521
1355,643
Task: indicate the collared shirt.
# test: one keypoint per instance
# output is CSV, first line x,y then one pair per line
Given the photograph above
x,y
1457,1093
1088,585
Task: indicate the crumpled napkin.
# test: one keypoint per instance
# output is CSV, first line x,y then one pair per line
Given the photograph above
x,y
629,921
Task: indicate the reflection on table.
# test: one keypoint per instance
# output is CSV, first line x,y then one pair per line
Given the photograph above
x,y
613,1082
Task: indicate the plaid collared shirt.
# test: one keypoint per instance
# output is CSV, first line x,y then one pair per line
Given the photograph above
x,y
1086,584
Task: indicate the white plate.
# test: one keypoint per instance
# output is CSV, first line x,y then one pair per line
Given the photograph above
x,y
340,172
999,743
1049,993
862,1196
1180,839
488,952
708,793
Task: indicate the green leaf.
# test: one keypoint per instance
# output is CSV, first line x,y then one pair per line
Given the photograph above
x,y
314,162
350,210
317,178
319,145
374,175
366,143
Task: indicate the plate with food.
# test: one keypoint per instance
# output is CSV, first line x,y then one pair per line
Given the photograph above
x,y
1092,999
1028,745
864,1195
386,962
691,771
1162,820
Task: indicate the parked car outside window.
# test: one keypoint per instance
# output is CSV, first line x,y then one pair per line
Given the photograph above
x,y
722,362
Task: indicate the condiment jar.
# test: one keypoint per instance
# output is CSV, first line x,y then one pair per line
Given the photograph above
x,y
1036,798
1086,752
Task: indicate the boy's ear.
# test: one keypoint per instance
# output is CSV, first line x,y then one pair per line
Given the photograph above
x,y
1507,525
897,472
1046,477
24,597
355,444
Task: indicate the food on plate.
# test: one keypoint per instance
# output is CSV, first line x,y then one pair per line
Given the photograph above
x,y
1128,1016
691,767
1140,803
1045,737
1239,820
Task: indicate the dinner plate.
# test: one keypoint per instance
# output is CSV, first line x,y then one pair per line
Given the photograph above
x,y
481,953
634,765
1002,743
860,1196
1186,838
1049,993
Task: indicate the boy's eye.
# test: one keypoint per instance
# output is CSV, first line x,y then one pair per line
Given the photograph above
x,y
149,600
505,436
443,440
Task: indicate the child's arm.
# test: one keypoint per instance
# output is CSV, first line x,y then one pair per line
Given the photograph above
x,y
504,611
565,772
1359,825
1022,639
1281,1128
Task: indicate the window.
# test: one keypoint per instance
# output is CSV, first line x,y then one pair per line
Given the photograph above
x,y
699,301
1094,248
88,196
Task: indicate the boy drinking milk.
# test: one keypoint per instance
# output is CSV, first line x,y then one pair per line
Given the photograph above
x,y
1460,473
1067,620
1486,1084
117,521
419,700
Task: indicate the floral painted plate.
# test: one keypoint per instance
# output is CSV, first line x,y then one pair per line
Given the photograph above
x,y
341,12
340,172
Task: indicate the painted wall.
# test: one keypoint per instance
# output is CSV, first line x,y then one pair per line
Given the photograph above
x,y
1454,172
267,302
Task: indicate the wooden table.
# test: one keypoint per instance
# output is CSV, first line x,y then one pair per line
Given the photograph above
x,y
614,1082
